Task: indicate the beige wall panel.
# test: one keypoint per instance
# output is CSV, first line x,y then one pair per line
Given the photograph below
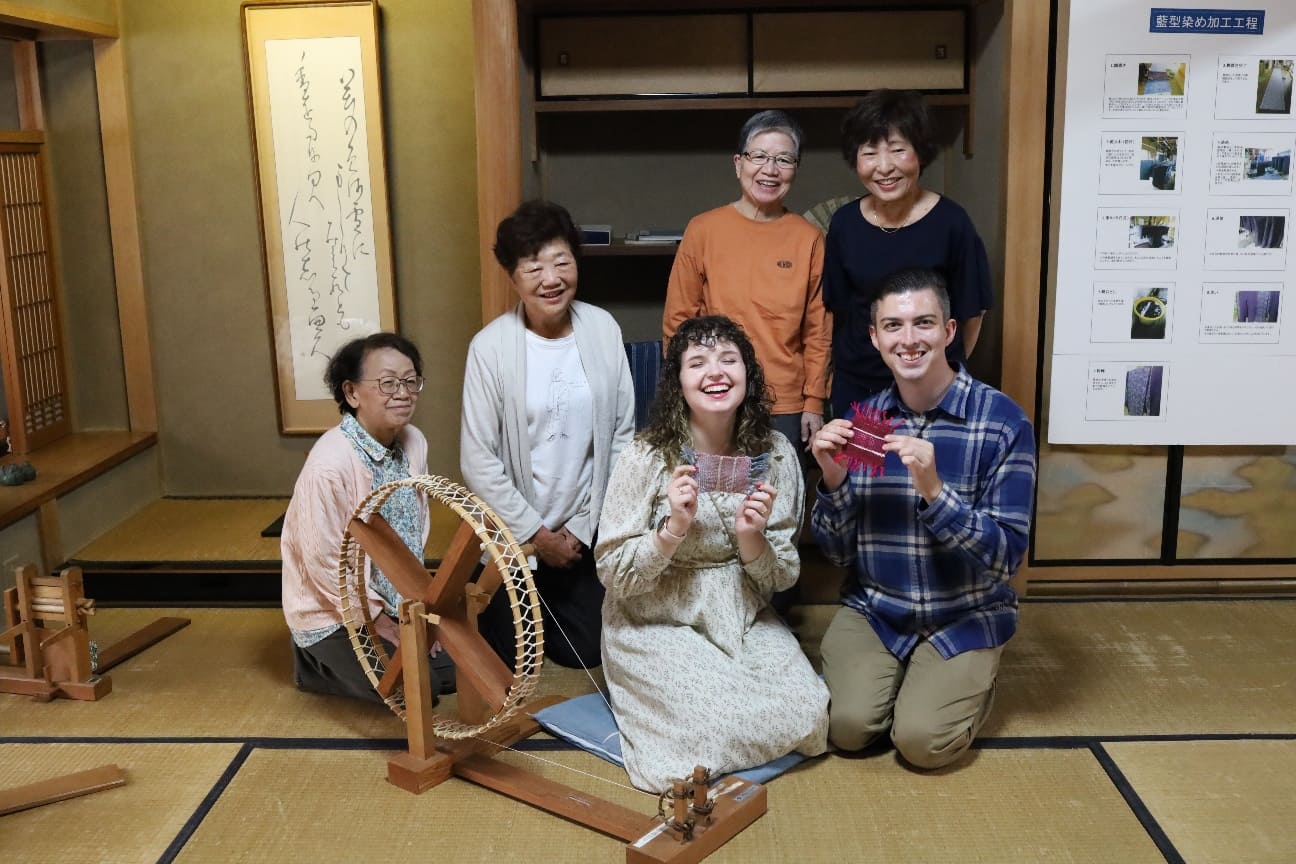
x,y
105,502
19,544
202,244
642,54
96,374
797,51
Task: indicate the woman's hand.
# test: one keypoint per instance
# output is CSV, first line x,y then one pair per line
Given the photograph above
x,y
753,516
754,513
558,549
682,495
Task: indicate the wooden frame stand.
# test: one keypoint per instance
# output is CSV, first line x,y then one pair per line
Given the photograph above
x,y
48,642
703,815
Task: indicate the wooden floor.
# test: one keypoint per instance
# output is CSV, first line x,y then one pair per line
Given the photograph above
x,y
1126,731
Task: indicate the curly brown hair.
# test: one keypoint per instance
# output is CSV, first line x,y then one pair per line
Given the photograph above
x,y
668,423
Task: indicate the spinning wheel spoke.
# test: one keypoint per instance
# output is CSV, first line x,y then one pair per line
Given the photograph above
x,y
483,679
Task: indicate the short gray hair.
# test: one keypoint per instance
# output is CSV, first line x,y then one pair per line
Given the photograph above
x,y
772,120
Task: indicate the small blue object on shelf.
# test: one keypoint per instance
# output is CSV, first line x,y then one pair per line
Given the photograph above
x,y
596,235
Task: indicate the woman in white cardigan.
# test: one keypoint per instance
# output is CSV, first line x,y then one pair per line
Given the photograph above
x,y
547,405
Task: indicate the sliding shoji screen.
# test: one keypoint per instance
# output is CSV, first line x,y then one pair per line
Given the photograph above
x,y
35,379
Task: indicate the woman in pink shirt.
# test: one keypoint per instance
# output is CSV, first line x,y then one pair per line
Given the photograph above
x,y
376,382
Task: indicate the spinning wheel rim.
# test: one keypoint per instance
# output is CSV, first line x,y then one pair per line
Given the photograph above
x,y
516,580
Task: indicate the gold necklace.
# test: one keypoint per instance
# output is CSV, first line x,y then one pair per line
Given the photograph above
x,y
877,221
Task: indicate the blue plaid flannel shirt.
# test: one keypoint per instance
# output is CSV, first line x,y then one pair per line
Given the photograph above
x,y
938,572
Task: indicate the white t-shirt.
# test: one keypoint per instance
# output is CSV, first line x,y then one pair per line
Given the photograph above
x,y
560,424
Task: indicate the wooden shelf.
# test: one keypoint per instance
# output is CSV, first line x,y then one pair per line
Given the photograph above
x,y
659,250
64,465
722,103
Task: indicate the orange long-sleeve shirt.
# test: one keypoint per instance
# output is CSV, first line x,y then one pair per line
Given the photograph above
x,y
766,276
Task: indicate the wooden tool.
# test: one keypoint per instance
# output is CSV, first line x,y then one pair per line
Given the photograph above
x,y
60,788
48,640
494,705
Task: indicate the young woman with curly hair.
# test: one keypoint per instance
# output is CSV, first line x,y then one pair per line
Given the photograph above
x,y
698,530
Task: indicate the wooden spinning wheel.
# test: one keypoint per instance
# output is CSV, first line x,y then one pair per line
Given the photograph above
x,y
492,716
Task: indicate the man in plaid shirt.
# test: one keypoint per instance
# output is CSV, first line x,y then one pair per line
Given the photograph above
x,y
931,542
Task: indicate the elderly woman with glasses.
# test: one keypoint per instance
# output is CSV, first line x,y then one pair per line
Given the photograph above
x,y
759,265
376,382
547,405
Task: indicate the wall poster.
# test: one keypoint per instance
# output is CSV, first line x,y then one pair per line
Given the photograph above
x,y
1173,321
316,106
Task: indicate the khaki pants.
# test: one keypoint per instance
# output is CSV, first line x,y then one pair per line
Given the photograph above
x,y
933,707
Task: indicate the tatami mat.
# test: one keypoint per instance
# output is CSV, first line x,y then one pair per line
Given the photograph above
x,y
217,529
1005,806
165,784
1037,787
1099,668
228,675
1218,800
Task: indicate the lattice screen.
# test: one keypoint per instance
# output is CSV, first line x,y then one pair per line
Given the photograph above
x,y
35,381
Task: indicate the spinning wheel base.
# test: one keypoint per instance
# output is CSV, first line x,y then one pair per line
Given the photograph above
x,y
417,775
738,803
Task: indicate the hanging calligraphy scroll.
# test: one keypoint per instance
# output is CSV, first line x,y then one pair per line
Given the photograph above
x,y
313,82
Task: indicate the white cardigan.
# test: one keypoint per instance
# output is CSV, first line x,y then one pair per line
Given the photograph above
x,y
494,448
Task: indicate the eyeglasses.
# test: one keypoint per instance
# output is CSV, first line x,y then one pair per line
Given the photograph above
x,y
389,386
760,159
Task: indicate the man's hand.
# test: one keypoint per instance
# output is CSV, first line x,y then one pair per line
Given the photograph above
x,y
811,423
831,440
919,456
558,549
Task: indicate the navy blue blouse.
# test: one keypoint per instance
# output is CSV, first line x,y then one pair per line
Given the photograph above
x,y
858,256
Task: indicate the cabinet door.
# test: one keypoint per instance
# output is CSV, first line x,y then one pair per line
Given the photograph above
x,y
642,55
799,52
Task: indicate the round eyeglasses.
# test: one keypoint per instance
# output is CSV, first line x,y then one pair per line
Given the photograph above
x,y
760,159
389,386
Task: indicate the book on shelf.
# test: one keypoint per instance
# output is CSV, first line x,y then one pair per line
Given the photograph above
x,y
655,235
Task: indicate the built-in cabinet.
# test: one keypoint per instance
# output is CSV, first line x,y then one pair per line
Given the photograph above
x,y
630,119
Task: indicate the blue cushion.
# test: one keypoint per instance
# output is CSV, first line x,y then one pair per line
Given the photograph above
x,y
587,722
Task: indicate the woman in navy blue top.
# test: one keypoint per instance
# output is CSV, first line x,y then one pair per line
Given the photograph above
x,y
888,139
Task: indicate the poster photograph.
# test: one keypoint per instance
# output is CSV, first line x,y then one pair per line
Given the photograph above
x,y
1145,86
1132,163
1252,163
1126,390
1250,88
1241,313
1125,312
1246,239
1136,239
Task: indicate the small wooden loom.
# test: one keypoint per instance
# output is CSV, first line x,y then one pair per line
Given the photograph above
x,y
701,816
48,643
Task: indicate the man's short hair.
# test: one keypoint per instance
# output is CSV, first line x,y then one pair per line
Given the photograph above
x,y
912,279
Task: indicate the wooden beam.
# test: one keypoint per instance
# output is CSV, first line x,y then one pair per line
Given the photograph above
x,y
123,224
604,816
51,535
53,25
1025,99
31,115
390,555
145,637
499,139
60,788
